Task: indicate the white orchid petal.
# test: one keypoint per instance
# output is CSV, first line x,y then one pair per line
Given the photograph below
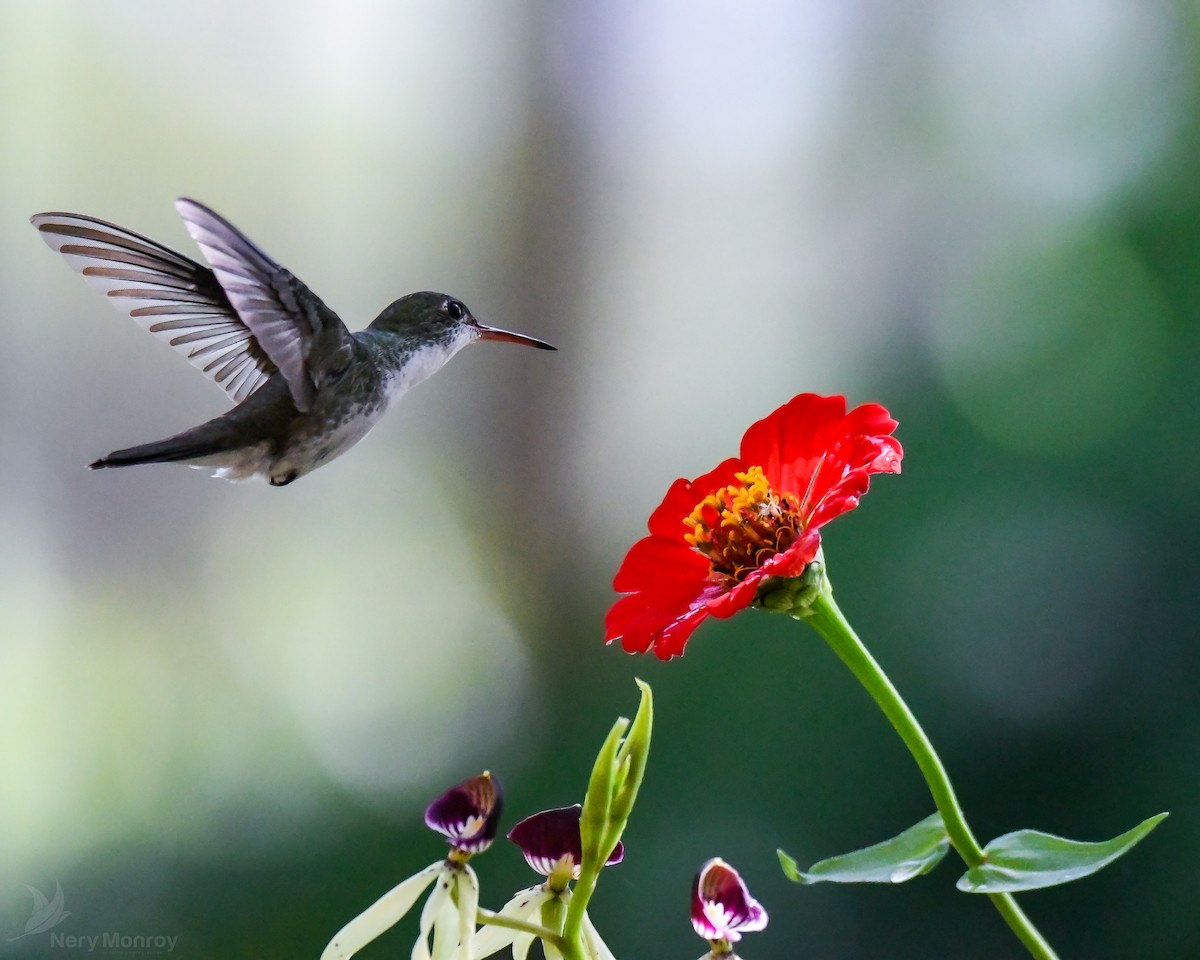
x,y
521,944
552,952
379,916
445,925
468,905
429,913
490,938
593,946
525,905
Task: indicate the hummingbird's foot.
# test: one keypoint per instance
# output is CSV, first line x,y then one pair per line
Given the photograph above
x,y
285,479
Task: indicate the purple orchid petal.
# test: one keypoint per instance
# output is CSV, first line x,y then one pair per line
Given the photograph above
x,y
468,813
722,908
548,837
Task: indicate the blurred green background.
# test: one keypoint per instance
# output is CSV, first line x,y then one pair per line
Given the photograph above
x,y
224,706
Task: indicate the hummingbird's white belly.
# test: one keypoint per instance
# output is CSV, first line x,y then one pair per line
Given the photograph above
x,y
327,435
246,463
303,455
311,451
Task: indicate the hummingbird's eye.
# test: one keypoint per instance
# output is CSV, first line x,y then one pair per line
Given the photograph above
x,y
454,310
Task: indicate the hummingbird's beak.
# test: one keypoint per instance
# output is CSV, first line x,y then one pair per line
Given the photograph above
x,y
493,333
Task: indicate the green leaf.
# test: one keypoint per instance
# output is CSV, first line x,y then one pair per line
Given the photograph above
x,y
1029,859
915,851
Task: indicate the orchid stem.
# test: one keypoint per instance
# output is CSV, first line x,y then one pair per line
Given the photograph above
x,y
484,917
572,931
827,619
554,912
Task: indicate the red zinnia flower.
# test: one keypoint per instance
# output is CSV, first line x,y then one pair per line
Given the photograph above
x,y
713,540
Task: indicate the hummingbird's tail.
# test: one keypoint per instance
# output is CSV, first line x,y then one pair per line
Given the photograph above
x,y
173,450
235,445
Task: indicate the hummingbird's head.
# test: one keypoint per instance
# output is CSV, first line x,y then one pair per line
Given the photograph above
x,y
437,318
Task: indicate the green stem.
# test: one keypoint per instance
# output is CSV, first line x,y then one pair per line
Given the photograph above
x,y
484,917
572,930
827,619
554,912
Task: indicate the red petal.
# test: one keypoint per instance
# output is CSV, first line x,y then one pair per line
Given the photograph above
x,y
660,561
813,448
739,598
683,495
812,434
870,419
788,442
660,618
887,460
790,563
667,581
671,640
845,475
794,559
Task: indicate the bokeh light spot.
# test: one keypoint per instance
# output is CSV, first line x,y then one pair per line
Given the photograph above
x,y
381,641
1051,345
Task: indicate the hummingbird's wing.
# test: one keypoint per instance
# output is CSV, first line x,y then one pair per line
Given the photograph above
x,y
175,298
287,318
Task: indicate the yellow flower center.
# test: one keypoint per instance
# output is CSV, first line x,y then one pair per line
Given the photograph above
x,y
743,525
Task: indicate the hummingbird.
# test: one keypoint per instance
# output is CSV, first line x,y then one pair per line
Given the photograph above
x,y
306,388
